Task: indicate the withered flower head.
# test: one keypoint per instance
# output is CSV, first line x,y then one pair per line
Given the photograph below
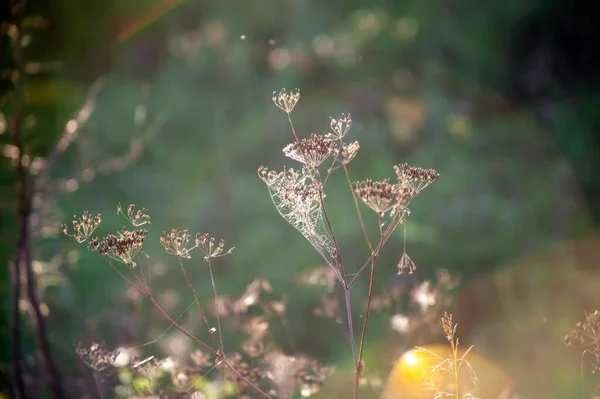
x,y
406,264
176,243
415,178
136,218
210,247
341,126
286,101
310,151
83,227
347,152
122,247
381,196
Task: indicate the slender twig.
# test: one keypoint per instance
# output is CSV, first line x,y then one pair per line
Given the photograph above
x,y
196,299
386,235
217,305
367,313
358,212
292,126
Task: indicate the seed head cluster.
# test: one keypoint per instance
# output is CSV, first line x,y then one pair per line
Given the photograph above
x,y
381,196
136,218
175,242
311,151
406,264
123,246
210,247
286,101
415,178
341,126
83,227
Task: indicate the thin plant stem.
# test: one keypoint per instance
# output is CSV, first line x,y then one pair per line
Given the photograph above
x,y
456,368
358,212
217,305
386,235
196,299
142,290
366,320
292,126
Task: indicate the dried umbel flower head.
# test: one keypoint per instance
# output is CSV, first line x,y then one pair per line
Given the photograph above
x,y
311,151
347,152
176,243
210,248
406,264
415,178
586,334
286,101
341,126
122,247
83,227
380,196
136,218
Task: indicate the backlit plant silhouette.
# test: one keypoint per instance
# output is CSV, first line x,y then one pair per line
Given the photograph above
x,y
299,197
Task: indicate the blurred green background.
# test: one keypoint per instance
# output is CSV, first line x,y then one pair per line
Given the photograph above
x,y
500,97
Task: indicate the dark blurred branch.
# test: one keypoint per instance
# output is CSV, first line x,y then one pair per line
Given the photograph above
x,y
23,253
16,12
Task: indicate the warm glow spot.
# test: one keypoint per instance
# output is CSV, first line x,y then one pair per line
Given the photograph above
x,y
410,359
415,368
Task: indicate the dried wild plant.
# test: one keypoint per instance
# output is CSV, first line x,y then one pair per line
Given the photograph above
x,y
452,366
299,197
